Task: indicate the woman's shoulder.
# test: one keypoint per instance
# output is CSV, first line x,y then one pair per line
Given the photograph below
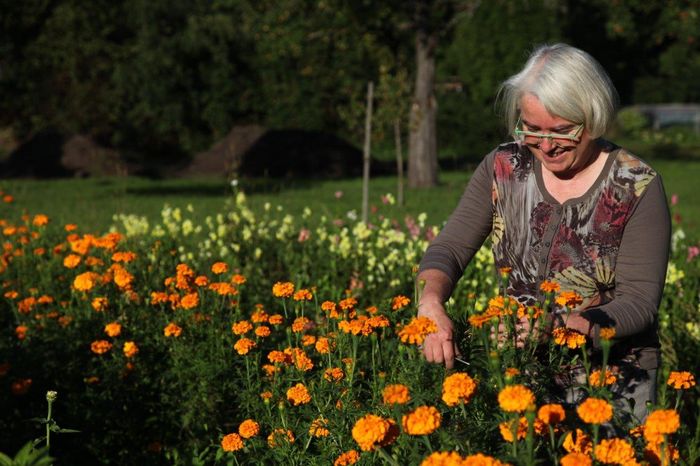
x,y
627,163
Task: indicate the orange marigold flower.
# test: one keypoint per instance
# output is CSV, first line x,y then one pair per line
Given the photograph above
x,y
113,329
549,286
130,349
396,394
238,279
279,436
172,330
100,346
189,301
241,327
299,324
443,458
423,420
614,451
457,388
283,289
21,386
569,299
679,380
607,333
276,319
40,220
399,302
248,429
551,413
266,395
347,303
125,256
324,345
308,340
511,372
21,332
655,456
661,422
347,458
416,330
515,398
231,442
122,278
480,459
577,441
263,331
26,305
595,411
259,316
576,459
159,297
319,428
506,429
270,370
300,359
71,261
223,289
85,281
279,357
303,295
201,280
566,336
244,345
11,294
328,306
597,379
219,267
334,374
371,431
298,395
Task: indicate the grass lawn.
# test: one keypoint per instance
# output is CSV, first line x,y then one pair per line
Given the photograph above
x,y
91,203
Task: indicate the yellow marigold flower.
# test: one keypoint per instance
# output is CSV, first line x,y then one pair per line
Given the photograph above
x,y
551,414
263,331
443,458
283,289
549,286
172,330
334,374
399,302
423,420
303,295
681,380
126,256
241,327
614,451
244,345
597,379
569,299
457,388
416,330
71,261
219,267
347,458
276,319
298,395
130,349
396,394
576,459
40,220
299,324
566,336
480,459
607,333
371,431
661,422
113,329
279,436
189,301
515,398
238,279
578,442
595,411
85,281
506,429
231,442
100,346
248,428
318,428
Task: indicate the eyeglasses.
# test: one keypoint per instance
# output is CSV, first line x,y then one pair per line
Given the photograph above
x,y
561,141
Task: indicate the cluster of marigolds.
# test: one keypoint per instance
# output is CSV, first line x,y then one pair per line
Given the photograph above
x,y
319,348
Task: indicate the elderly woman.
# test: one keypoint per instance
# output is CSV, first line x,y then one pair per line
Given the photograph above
x,y
562,204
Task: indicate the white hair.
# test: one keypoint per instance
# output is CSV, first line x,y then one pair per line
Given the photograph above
x,y
569,82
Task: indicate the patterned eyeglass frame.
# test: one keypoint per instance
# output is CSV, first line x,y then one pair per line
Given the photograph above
x,y
573,136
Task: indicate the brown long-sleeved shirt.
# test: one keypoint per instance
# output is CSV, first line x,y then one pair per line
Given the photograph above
x,y
609,245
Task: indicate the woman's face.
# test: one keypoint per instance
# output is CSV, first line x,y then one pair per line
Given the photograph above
x,y
564,162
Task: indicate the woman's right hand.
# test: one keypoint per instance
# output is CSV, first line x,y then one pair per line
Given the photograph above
x,y
439,347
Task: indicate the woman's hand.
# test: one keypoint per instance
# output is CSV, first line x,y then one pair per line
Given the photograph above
x,y
526,329
439,347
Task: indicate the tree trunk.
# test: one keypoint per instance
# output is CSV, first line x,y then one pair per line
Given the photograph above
x,y
422,144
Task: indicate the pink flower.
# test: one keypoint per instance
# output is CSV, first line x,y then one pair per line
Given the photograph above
x,y
338,194
674,199
693,252
304,234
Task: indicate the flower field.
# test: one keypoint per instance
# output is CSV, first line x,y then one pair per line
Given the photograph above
x,y
258,337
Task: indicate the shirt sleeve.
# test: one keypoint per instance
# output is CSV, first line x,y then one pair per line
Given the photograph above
x,y
467,227
640,271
